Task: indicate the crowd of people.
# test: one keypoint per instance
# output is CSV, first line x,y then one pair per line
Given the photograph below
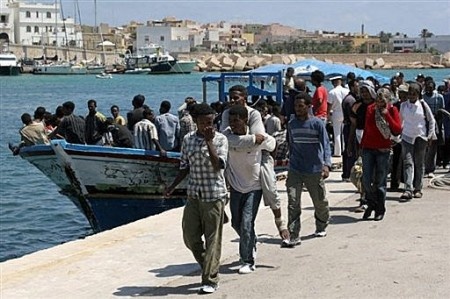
x,y
140,128
391,128
229,150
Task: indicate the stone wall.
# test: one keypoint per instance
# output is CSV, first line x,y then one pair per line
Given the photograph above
x,y
239,62
65,54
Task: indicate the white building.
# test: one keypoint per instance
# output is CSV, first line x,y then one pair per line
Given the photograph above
x,y
42,24
440,43
6,28
172,39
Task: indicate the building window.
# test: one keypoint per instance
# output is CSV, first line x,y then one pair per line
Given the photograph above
x,y
36,29
28,28
49,15
37,15
161,38
28,14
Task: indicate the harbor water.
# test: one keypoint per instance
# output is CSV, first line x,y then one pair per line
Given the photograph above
x,y
33,214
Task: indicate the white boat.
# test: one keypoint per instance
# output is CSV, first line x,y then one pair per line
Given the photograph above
x,y
138,71
9,65
158,60
104,76
59,68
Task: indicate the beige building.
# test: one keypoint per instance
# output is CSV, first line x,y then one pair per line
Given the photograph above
x,y
277,32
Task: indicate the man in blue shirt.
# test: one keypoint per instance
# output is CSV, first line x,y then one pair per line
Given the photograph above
x,y
168,127
309,165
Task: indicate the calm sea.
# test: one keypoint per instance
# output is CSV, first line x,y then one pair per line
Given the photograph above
x,y
33,215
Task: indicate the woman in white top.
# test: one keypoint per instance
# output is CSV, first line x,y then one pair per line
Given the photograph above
x,y
418,128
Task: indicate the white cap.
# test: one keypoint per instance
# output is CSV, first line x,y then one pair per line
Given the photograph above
x,y
336,78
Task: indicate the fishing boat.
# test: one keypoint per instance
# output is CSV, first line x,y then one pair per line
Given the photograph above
x,y
158,61
111,186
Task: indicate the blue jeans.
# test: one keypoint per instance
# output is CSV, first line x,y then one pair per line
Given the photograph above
x,y
244,208
413,156
375,171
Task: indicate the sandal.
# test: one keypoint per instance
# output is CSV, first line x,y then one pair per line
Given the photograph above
x,y
417,194
406,196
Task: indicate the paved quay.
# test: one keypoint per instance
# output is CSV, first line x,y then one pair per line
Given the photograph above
x,y
403,256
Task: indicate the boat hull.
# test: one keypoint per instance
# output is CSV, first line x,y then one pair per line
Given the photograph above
x,y
160,65
111,210
111,186
43,157
59,70
95,69
173,67
10,70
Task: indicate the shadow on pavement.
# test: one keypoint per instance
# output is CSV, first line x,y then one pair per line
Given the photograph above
x,y
342,219
135,291
190,269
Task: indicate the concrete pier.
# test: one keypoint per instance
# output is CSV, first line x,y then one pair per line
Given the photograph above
x,y
403,256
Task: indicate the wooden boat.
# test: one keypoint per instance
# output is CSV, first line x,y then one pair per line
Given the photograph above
x,y
111,186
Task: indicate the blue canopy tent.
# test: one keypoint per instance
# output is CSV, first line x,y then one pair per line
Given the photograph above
x,y
267,80
304,68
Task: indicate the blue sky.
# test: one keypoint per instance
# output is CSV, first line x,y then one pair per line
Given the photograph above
x,y
405,16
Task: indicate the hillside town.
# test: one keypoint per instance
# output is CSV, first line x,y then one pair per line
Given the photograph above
x,y
33,29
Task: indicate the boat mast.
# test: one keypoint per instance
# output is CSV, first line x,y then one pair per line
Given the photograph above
x,y
95,16
65,30
56,29
99,31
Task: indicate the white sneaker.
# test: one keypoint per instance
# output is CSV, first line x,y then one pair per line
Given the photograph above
x,y
286,243
208,289
246,269
320,234
295,241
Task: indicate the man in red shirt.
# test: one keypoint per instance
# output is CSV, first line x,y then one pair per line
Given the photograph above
x,y
320,97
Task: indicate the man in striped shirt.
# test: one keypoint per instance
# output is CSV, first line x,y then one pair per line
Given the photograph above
x,y
309,165
145,134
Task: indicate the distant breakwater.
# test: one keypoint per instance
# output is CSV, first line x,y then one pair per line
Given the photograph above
x,y
210,62
242,62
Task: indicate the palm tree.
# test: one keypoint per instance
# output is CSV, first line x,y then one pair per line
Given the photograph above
x,y
425,34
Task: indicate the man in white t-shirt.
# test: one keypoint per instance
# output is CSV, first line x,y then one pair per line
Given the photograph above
x,y
335,114
243,174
